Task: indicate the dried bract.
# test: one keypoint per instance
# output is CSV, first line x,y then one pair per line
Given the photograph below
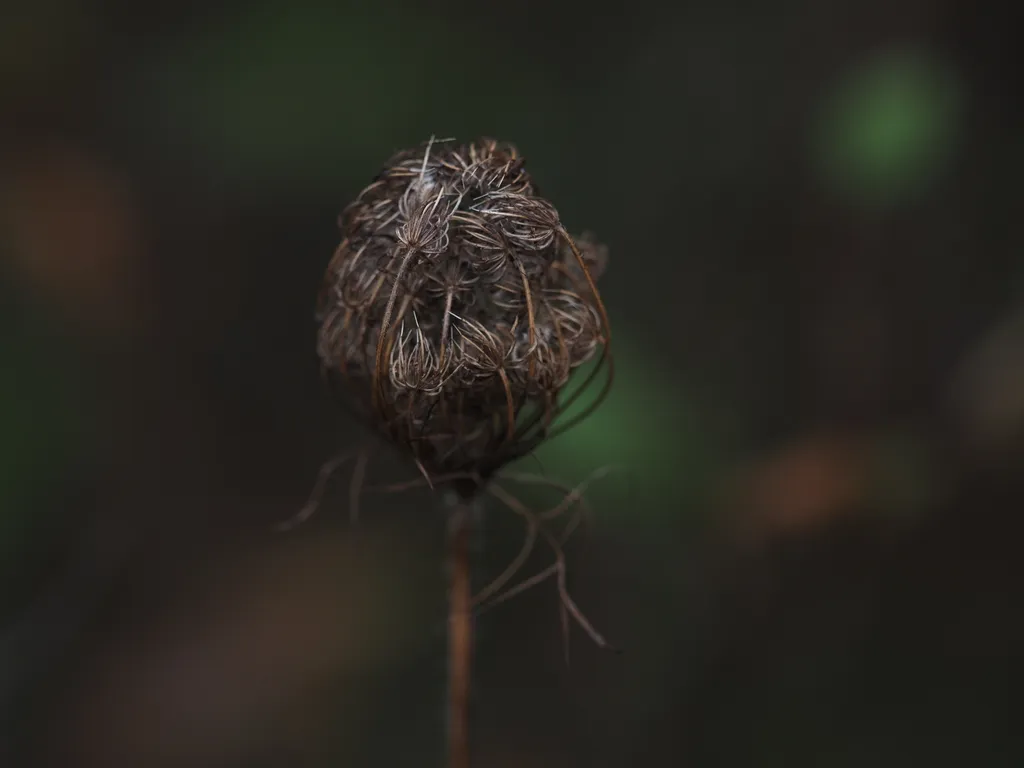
x,y
457,307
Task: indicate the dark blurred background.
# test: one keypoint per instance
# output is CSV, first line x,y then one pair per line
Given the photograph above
x,y
808,547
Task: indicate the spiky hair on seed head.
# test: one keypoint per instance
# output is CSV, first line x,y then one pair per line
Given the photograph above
x,y
456,308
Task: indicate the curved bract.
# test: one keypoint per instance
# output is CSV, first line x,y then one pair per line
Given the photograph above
x,y
457,307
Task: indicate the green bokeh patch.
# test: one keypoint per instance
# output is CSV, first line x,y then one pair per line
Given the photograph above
x,y
888,128
660,441
314,93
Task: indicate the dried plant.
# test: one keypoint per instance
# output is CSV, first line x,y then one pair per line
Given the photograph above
x,y
457,307
453,314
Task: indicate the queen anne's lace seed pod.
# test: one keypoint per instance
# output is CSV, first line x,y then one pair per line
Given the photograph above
x,y
457,307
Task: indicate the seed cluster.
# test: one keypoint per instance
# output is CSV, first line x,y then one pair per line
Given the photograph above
x,y
456,308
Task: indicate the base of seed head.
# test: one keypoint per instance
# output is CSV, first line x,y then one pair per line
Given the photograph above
x,y
457,307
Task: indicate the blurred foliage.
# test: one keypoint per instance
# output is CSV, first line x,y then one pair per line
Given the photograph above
x,y
312,92
888,127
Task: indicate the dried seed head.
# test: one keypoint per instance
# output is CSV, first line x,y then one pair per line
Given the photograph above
x,y
456,308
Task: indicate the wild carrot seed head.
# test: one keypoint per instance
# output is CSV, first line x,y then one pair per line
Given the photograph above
x,y
457,307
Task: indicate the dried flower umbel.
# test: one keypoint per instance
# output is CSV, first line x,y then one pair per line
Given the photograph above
x,y
457,307
453,315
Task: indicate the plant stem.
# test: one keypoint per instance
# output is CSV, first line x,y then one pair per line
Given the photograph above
x,y
460,631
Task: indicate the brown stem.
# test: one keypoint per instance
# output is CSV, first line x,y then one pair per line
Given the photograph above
x,y
460,632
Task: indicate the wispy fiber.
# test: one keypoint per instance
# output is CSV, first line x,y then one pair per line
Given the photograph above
x,y
456,308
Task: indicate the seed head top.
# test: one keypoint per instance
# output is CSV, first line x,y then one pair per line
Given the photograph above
x,y
457,306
